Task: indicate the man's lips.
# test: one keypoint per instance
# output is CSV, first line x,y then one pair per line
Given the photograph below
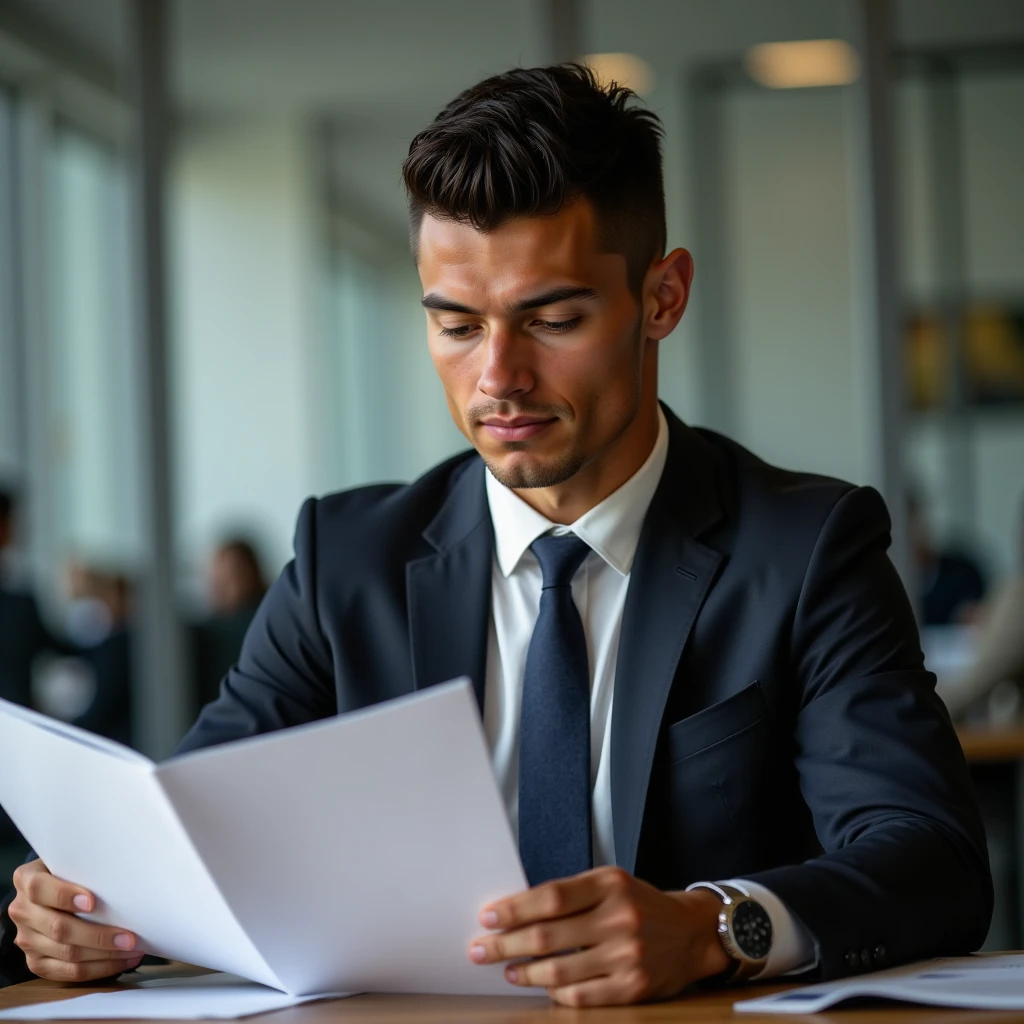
x,y
519,428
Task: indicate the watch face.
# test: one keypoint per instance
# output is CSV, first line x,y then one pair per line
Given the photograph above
x,y
752,930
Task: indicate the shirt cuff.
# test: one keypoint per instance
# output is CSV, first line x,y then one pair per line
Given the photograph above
x,y
793,947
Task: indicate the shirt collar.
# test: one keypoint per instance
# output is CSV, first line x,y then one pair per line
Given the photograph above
x,y
611,528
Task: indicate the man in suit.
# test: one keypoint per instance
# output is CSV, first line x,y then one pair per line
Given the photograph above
x,y
699,675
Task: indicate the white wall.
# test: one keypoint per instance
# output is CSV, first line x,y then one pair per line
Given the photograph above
x,y
389,418
244,319
795,351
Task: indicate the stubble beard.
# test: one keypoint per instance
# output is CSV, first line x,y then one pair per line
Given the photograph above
x,y
566,466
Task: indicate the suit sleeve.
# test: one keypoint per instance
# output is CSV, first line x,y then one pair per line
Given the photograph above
x,y
904,873
284,674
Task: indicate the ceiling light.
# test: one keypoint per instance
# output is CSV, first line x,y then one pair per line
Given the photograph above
x,y
624,68
802,65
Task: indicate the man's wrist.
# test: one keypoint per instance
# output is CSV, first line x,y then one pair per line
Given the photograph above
x,y
710,959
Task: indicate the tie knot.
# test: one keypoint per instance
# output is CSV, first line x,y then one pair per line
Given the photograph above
x,y
559,558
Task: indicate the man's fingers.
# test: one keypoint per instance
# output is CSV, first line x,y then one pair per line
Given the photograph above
x,y
556,972
68,930
48,891
546,902
596,992
92,970
542,939
39,945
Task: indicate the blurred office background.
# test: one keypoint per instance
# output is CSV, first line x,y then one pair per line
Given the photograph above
x,y
208,310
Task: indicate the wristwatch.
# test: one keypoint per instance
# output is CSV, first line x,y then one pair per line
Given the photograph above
x,y
744,929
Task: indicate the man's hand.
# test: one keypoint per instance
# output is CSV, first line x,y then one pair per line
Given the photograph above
x,y
603,937
57,944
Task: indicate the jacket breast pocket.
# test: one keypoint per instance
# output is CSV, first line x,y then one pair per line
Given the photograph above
x,y
719,780
717,723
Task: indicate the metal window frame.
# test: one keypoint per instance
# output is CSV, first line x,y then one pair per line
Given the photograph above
x,y
56,80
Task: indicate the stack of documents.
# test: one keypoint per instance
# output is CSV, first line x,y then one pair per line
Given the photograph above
x,y
349,855
972,982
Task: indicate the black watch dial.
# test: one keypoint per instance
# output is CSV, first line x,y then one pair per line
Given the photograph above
x,y
752,930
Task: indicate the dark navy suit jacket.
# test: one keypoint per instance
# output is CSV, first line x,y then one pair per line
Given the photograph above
x,y
772,718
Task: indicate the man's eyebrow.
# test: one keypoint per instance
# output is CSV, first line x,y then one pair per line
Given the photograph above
x,y
434,301
563,294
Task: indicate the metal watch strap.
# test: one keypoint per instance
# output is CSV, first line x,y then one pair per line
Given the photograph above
x,y
743,967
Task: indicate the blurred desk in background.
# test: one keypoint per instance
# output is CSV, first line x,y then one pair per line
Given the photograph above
x,y
987,744
995,754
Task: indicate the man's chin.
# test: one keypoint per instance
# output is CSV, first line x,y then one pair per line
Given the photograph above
x,y
519,470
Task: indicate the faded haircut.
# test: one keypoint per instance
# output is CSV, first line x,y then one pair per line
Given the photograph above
x,y
527,142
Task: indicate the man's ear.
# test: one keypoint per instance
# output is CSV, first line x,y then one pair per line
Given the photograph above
x,y
666,292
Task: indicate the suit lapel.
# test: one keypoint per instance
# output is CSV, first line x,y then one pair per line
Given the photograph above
x,y
672,573
450,590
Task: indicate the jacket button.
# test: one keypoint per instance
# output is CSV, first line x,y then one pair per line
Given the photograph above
x,y
852,960
880,952
865,958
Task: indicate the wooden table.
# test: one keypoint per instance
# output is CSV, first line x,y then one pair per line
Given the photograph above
x,y
702,1008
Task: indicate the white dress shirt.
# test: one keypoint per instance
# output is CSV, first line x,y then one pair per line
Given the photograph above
x,y
612,531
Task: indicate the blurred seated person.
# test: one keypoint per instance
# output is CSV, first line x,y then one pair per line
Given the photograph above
x,y
92,688
110,658
998,663
23,635
950,583
235,585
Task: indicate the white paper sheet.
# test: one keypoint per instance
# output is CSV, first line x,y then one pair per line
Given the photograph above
x,y
352,854
221,996
96,813
970,982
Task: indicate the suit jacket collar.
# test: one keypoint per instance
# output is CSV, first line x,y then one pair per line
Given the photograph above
x,y
449,591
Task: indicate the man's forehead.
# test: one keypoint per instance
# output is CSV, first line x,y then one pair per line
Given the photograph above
x,y
570,231
519,256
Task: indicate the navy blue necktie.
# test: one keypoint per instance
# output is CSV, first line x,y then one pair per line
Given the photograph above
x,y
554,732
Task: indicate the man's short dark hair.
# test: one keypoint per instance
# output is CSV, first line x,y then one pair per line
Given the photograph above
x,y
527,142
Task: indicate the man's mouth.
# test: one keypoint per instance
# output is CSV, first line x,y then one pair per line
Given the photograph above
x,y
516,428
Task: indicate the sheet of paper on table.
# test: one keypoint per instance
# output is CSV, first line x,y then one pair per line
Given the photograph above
x,y
209,996
352,854
970,982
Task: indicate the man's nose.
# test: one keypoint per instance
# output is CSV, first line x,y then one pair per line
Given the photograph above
x,y
506,370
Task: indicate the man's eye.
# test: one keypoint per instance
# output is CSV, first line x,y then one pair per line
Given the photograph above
x,y
457,332
559,326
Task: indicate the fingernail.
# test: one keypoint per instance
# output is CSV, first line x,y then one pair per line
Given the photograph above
x,y
82,902
478,954
489,919
511,974
123,941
